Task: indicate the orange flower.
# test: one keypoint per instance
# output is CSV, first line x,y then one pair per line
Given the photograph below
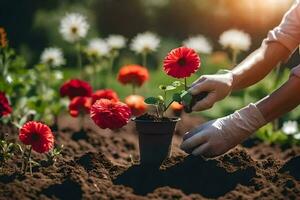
x,y
133,74
136,104
175,106
3,39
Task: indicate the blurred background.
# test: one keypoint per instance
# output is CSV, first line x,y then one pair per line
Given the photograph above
x,y
33,25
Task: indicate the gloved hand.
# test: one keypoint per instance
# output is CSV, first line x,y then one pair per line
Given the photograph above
x,y
218,136
218,87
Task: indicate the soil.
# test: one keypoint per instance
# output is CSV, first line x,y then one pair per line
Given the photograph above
x,y
103,164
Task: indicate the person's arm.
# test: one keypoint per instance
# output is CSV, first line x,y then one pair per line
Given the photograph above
x,y
255,67
218,136
280,43
281,101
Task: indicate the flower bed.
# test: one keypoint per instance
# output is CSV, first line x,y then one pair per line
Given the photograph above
x,y
103,166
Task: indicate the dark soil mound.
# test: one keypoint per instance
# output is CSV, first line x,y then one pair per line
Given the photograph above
x,y
100,164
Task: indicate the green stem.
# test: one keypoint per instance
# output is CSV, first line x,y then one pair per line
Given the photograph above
x,y
169,105
144,55
79,59
133,89
185,84
26,161
234,57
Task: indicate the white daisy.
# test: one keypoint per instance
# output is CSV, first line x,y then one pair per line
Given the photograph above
x,y
297,136
98,47
199,43
145,43
74,27
52,56
116,41
290,127
236,40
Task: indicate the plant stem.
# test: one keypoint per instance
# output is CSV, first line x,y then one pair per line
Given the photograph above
x,y
234,56
185,84
169,105
133,89
26,161
79,59
144,56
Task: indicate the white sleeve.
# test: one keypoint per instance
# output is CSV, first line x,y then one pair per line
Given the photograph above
x,y
288,31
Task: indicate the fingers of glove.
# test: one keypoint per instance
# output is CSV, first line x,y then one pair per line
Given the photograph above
x,y
205,103
199,80
203,86
193,141
196,130
201,150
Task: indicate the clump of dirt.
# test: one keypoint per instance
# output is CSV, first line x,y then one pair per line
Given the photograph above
x,y
101,164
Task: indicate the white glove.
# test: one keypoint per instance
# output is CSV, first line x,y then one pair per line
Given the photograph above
x,y
218,87
218,136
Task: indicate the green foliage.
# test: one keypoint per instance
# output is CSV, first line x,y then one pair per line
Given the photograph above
x,y
268,134
53,155
7,151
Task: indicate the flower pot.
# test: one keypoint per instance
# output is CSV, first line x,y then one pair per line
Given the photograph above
x,y
155,139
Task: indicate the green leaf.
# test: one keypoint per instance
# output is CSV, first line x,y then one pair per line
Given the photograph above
x,y
176,97
176,83
162,87
170,87
186,97
160,98
151,100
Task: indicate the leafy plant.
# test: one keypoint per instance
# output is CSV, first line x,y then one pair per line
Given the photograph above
x,y
162,102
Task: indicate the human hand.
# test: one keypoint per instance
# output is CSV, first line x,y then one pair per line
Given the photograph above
x,y
218,86
218,136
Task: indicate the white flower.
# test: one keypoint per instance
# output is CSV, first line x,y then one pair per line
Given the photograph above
x,y
116,41
297,136
58,75
52,56
98,47
290,127
73,27
199,43
236,40
145,43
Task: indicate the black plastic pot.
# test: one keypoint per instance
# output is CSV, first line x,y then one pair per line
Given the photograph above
x,y
155,139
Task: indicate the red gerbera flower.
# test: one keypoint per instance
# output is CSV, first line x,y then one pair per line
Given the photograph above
x,y
75,88
136,104
110,114
181,62
105,94
80,105
5,108
38,135
133,74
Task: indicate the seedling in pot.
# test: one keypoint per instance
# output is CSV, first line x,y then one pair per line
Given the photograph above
x,y
155,133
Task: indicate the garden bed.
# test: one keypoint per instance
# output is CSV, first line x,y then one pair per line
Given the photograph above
x,y
101,164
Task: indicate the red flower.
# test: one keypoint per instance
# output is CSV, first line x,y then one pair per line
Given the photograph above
x,y
75,88
110,114
80,105
5,108
38,135
181,62
136,104
105,94
133,74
